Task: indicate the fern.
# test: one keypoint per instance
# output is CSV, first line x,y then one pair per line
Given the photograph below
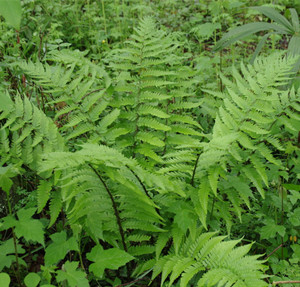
x,y
107,194
72,88
26,133
247,127
210,261
153,94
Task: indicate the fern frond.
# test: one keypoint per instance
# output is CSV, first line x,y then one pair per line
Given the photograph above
x,y
215,261
247,125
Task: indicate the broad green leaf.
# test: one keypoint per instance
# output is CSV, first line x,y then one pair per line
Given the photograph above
x,y
11,11
5,182
32,280
295,19
107,259
29,228
271,229
5,174
275,16
8,222
294,196
206,30
75,278
289,186
295,217
47,272
294,46
4,279
248,29
6,249
59,248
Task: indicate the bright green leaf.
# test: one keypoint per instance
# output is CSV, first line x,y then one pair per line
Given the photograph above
x,y
32,280
7,251
29,228
75,278
111,258
59,248
4,279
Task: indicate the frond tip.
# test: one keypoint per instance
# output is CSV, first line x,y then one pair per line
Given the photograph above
x,y
211,261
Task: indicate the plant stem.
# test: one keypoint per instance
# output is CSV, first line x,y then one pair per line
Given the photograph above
x,y
212,208
80,255
194,170
281,245
15,241
116,211
139,180
282,212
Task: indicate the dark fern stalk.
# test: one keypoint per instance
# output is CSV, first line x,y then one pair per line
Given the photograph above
x,y
194,170
116,211
140,181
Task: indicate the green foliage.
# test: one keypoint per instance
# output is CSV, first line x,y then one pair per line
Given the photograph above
x,y
7,248
280,25
112,258
220,262
11,11
71,275
154,95
126,146
5,279
30,229
32,280
59,247
244,137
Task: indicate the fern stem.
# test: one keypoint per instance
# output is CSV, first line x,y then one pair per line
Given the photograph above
x,y
139,180
89,93
212,208
142,277
194,170
116,211
80,257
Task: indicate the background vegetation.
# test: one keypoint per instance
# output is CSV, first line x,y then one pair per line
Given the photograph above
x,y
149,143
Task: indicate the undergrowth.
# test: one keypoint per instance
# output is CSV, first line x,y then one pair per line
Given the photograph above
x,y
131,154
